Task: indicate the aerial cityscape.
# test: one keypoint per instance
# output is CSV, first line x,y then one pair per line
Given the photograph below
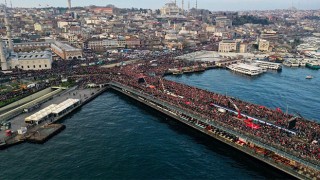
x,y
180,89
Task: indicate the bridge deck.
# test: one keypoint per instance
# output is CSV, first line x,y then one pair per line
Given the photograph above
x,y
200,123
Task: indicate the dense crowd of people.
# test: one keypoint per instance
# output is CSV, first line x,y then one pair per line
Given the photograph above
x,y
303,143
147,77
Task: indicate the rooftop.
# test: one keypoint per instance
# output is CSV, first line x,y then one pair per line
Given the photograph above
x,y
34,55
247,66
64,46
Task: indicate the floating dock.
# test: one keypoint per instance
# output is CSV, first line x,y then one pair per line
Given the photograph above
x,y
44,133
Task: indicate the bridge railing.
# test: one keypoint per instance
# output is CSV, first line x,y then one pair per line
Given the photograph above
x,y
229,129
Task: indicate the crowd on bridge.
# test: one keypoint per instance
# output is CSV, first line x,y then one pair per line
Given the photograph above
x,y
146,76
303,143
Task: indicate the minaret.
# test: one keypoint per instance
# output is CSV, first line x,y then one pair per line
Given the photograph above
x,y
3,59
189,5
196,4
182,6
8,30
69,4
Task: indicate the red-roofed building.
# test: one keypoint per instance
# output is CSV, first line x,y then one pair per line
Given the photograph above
x,y
103,10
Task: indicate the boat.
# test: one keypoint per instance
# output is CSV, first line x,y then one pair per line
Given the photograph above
x,y
309,77
187,70
246,69
313,65
199,69
303,62
177,72
291,63
268,65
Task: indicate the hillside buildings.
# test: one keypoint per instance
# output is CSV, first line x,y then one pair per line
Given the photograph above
x,y
263,45
170,9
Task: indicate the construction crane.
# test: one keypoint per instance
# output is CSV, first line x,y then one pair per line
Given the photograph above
x,y
236,107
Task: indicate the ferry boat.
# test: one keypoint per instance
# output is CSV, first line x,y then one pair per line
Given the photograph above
x,y
269,65
303,62
313,65
187,70
309,77
199,69
246,69
177,72
291,63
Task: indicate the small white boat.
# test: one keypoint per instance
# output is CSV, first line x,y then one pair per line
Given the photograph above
x,y
309,77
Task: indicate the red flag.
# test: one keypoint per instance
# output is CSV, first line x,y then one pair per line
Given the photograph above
x,y
239,114
252,125
248,120
279,110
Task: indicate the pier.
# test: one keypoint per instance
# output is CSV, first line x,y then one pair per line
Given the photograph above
x,y
44,127
44,133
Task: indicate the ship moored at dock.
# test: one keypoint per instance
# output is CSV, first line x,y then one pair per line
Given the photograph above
x,y
268,65
313,65
246,69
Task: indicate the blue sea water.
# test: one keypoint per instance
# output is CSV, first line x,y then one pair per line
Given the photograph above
x,y
114,137
288,89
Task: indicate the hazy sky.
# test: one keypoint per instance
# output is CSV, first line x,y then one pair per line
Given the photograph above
x,y
155,4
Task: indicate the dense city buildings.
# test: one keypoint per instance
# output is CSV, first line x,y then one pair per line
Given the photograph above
x,y
53,60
